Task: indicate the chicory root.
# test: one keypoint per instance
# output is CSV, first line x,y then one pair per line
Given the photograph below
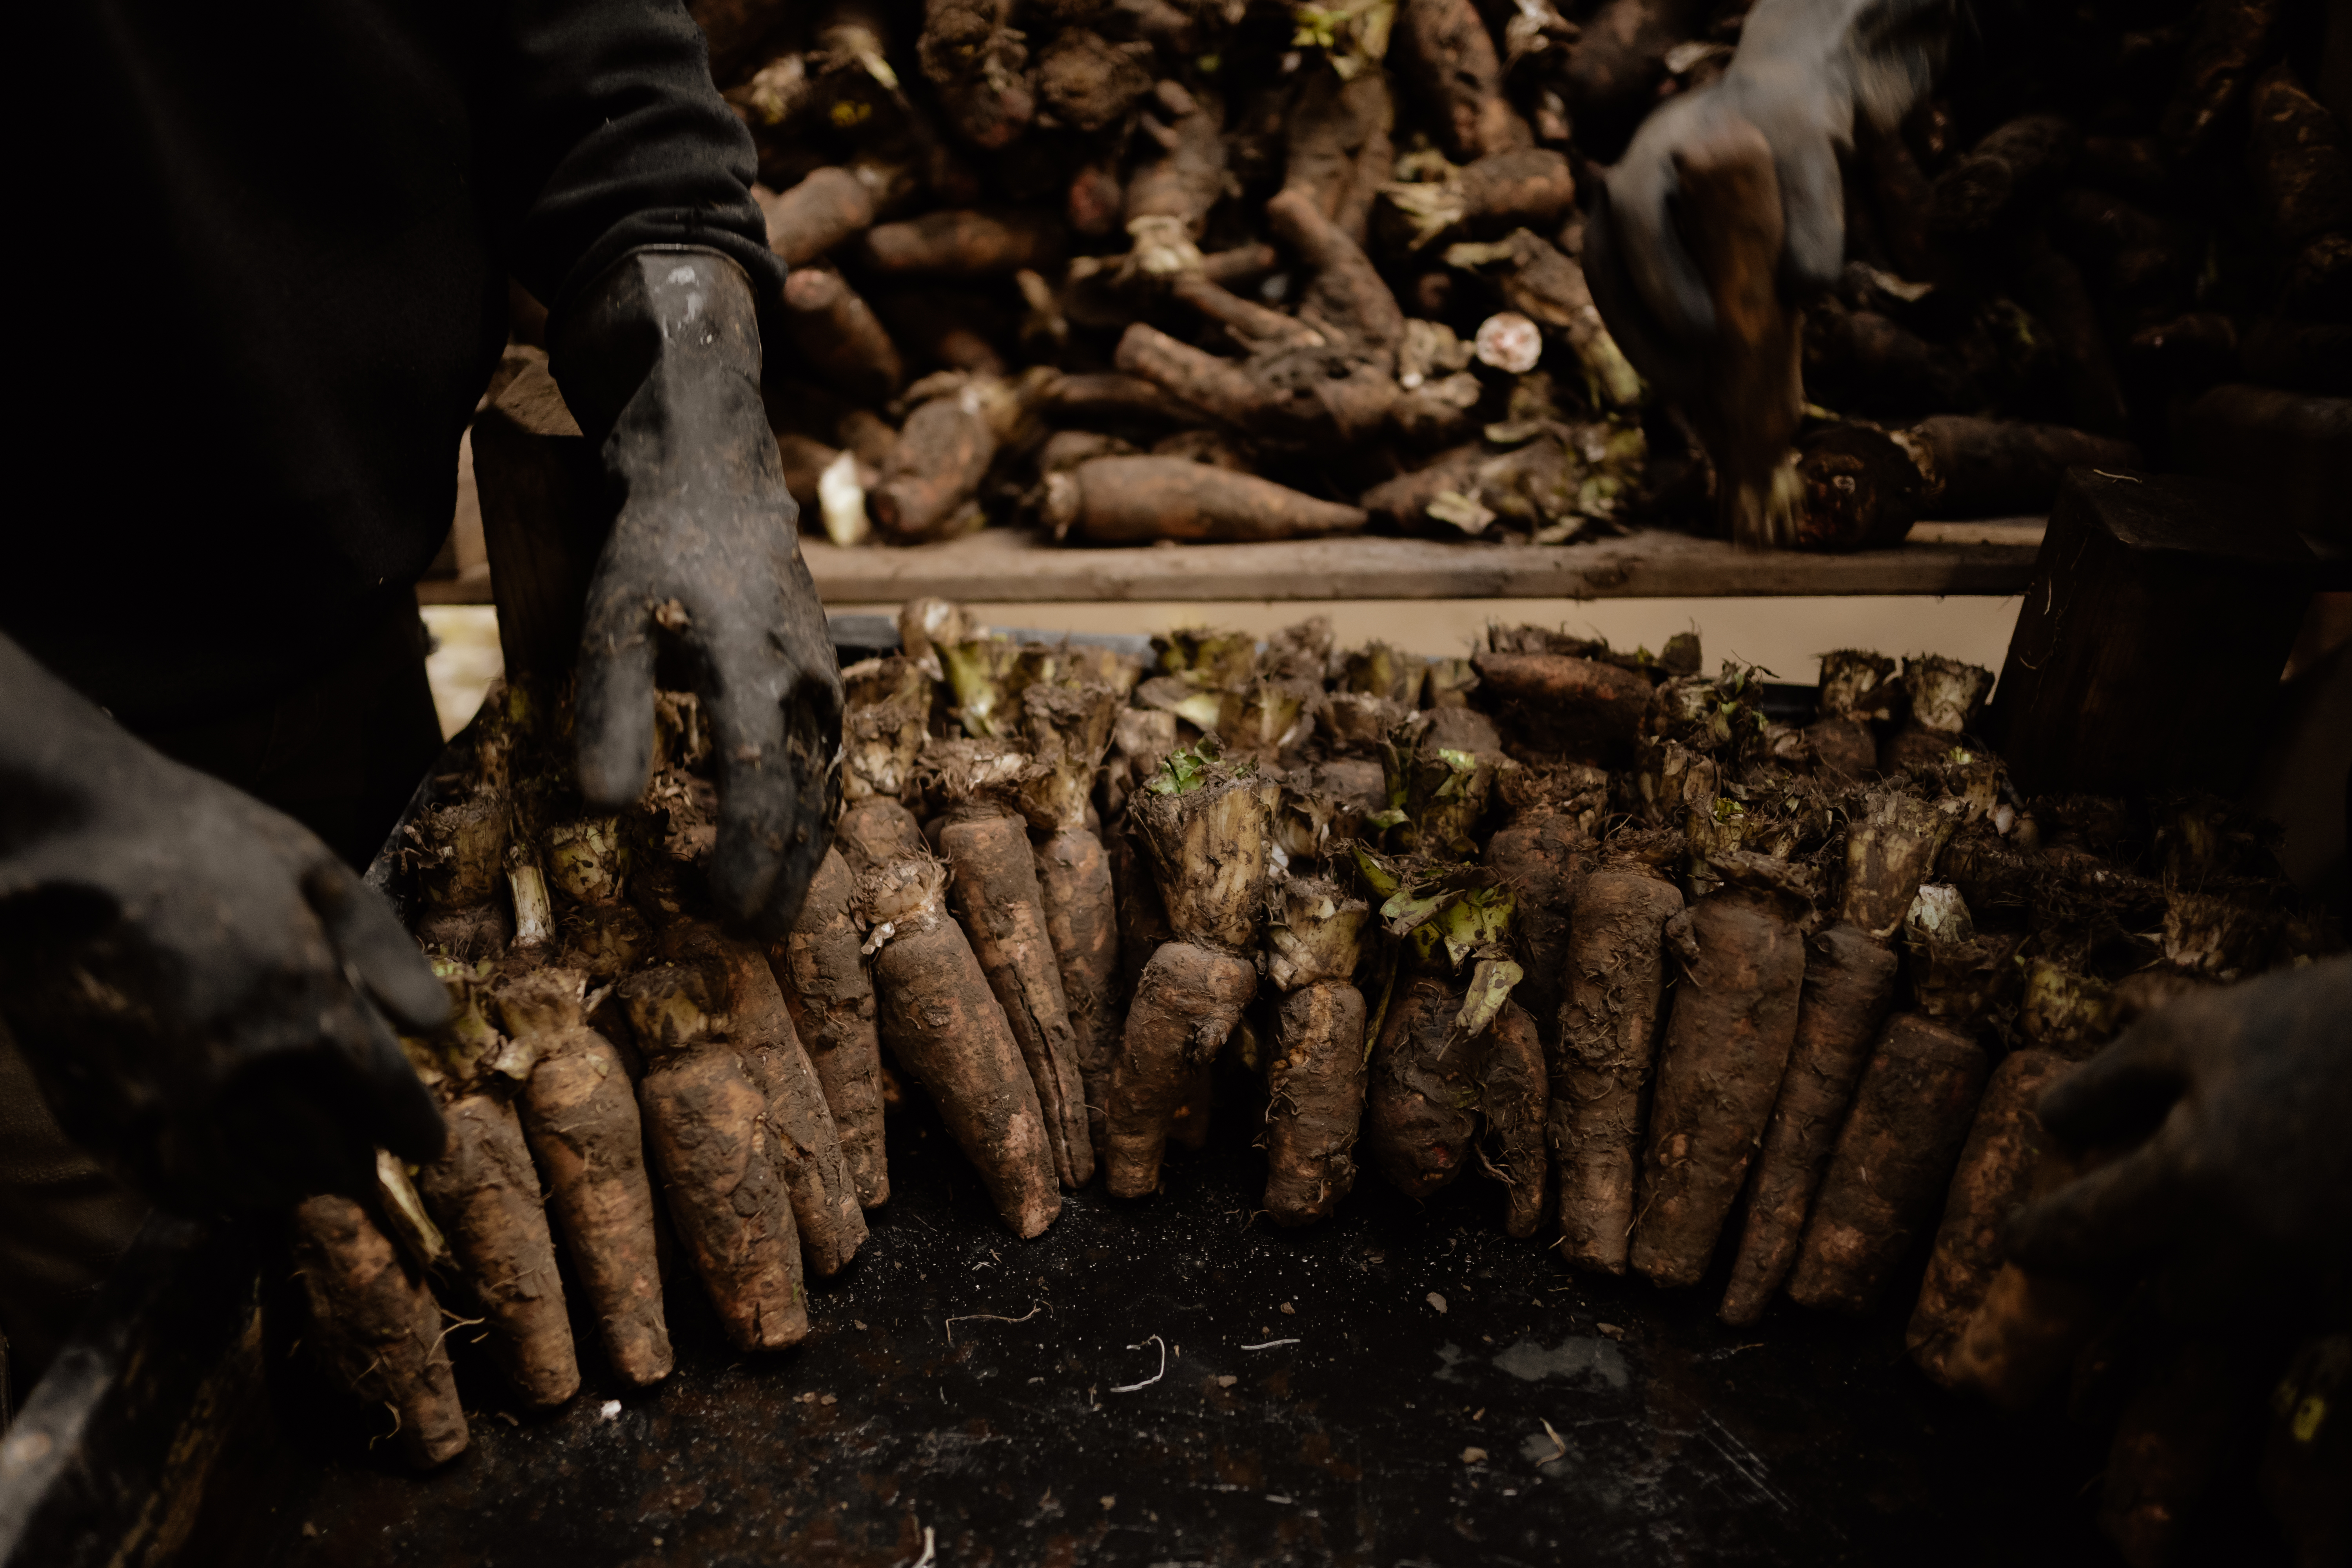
x,y
1209,830
2030,1326
1420,1100
826,207
1956,973
1972,467
1543,853
803,1145
1345,295
994,892
1186,1003
1315,1071
944,452
1727,1048
1894,1159
1170,194
962,244
1220,388
484,1194
822,975
377,1327
1447,58
1338,151
1890,849
1849,986
942,1023
1315,1088
1134,500
706,1124
463,872
581,1116
838,336
1068,729
1514,1098
1088,83
1090,400
2024,1336
1614,983
974,61
1538,280
2005,1147
1580,707
885,720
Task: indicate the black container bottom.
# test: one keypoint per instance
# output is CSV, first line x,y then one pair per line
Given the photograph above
x,y
1535,1416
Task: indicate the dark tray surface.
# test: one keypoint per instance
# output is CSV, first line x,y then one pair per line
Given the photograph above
x,y
1805,1441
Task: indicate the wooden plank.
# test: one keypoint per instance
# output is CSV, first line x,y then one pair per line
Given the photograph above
x,y
1008,564
1993,557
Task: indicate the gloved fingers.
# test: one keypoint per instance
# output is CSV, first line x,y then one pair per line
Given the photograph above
x,y
1812,212
1798,117
2120,1210
1663,271
761,809
1664,363
1644,196
282,1127
2119,1094
402,1114
813,741
380,959
615,719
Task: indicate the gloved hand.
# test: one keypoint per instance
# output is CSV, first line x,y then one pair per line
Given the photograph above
x,y
659,361
192,976
1726,214
2236,1103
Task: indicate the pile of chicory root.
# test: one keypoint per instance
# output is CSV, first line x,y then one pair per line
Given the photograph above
x,y
1125,271
1586,927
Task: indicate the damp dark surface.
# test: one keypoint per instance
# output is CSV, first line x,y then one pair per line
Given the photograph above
x,y
1537,1417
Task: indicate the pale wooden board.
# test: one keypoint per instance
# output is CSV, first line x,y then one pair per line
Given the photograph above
x,y
1005,565
1001,566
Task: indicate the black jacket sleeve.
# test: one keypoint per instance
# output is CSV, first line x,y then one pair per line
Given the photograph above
x,y
284,230
603,134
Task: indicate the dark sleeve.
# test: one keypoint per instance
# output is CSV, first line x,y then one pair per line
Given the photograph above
x,y
603,133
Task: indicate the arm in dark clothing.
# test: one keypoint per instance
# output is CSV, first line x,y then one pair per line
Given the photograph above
x,y
284,235
604,134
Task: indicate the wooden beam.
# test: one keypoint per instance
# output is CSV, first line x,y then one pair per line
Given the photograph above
x,y
1005,565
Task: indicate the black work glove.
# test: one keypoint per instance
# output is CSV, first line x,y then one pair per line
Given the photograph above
x,y
1802,68
1653,294
659,361
1699,271
192,976
2237,1106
